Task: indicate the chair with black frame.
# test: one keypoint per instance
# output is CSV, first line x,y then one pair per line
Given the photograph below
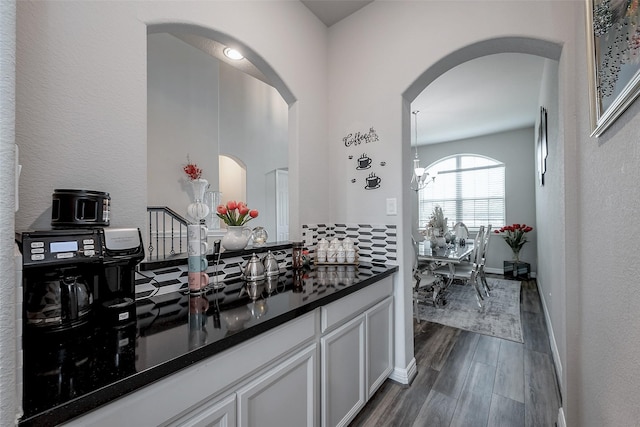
x,y
468,271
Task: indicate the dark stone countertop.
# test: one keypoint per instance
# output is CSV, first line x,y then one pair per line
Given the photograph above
x,y
67,375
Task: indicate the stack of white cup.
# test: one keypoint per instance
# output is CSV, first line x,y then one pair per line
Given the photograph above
x,y
197,251
336,251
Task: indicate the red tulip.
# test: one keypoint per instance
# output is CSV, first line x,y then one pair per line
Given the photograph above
x,y
242,209
232,205
253,213
222,210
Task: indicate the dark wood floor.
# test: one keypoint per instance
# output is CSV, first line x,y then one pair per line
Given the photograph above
x,y
467,379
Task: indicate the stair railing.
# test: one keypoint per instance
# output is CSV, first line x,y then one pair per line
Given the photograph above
x,y
167,232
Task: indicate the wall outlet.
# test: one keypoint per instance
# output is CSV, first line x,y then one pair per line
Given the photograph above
x,y
392,206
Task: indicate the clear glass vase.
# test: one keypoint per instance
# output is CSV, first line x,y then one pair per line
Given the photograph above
x,y
515,255
198,210
212,200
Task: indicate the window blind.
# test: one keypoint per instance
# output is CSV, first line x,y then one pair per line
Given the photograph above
x,y
469,188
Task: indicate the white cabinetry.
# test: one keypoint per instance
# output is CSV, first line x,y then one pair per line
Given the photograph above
x,y
343,373
219,414
284,396
356,352
379,326
272,379
206,392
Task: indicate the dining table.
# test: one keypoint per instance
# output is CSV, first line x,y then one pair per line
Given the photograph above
x,y
450,255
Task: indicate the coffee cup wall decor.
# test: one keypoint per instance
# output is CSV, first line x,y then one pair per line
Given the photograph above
x,y
364,162
373,182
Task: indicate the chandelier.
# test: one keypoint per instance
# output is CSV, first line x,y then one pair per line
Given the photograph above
x,y
419,174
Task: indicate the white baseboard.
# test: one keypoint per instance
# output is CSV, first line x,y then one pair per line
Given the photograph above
x,y
561,421
405,375
552,342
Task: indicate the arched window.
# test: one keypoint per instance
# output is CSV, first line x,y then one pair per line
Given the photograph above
x,y
468,187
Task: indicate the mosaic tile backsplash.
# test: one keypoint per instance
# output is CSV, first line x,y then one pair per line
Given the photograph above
x,y
375,244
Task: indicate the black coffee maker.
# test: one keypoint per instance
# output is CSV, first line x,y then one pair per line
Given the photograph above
x,y
61,269
115,293
73,275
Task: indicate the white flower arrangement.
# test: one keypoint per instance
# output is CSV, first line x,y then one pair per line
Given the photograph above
x,y
437,220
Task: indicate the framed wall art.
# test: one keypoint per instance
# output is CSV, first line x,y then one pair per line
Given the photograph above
x,y
541,147
613,40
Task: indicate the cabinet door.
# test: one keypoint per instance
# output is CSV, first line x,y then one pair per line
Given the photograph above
x,y
218,414
284,396
343,373
379,326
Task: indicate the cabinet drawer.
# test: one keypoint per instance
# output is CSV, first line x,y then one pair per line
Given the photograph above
x,y
354,304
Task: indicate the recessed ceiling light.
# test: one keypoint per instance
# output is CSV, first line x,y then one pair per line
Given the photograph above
x,y
232,53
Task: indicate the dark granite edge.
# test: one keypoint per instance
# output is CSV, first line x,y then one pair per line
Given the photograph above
x,y
181,259
120,388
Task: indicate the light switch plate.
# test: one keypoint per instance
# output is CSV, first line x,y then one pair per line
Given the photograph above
x,y
392,206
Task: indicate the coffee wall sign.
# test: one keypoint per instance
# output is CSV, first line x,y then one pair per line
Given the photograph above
x,y
364,161
358,138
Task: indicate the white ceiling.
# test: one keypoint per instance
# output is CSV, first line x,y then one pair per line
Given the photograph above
x,y
332,11
487,95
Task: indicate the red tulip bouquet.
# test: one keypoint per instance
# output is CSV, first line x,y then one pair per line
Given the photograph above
x,y
235,213
516,236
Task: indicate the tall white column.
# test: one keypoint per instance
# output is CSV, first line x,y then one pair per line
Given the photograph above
x,y
9,395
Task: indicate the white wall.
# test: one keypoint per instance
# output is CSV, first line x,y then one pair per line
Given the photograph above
x,y
602,298
377,53
81,96
9,393
182,120
81,102
200,106
551,260
375,56
515,150
253,128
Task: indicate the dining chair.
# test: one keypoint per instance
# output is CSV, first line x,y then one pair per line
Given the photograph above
x,y
483,261
468,271
426,285
461,231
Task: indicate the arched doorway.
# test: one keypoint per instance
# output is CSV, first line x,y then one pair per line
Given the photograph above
x,y
542,48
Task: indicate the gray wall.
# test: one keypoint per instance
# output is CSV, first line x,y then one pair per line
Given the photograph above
x,y
515,150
